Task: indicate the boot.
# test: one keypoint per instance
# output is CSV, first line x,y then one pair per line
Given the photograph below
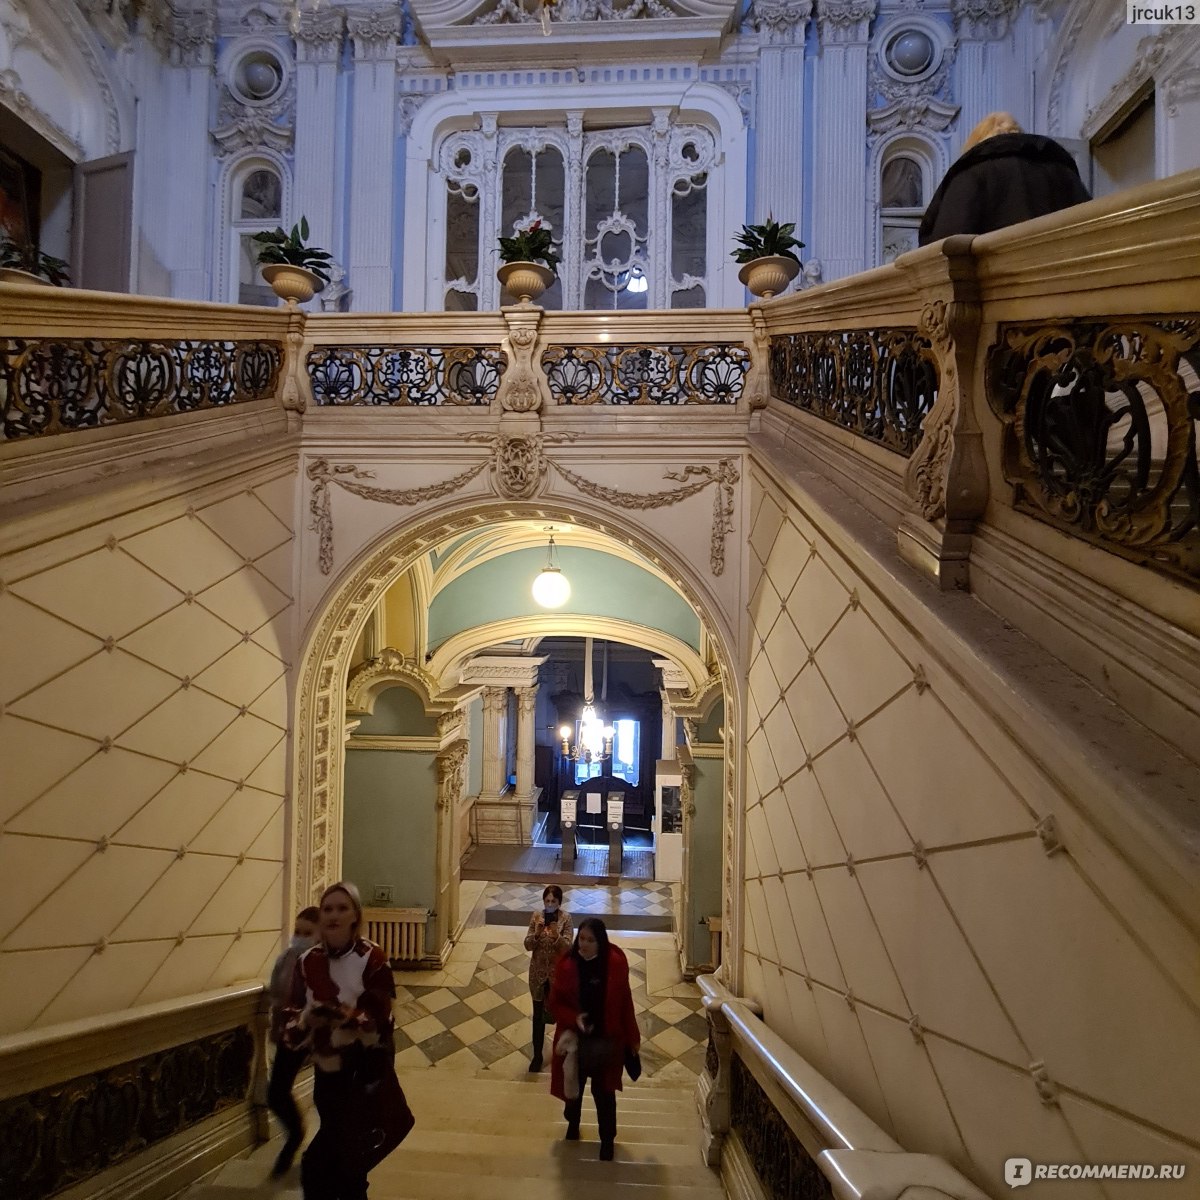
x,y
539,1038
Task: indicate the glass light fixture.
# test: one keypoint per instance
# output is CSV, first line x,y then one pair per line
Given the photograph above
x,y
551,588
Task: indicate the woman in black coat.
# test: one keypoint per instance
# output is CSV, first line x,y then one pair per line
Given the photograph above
x,y
1002,177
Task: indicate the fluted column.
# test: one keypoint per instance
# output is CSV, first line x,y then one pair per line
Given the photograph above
x,y
840,204
526,704
451,768
779,173
670,726
495,712
318,48
981,77
372,159
190,39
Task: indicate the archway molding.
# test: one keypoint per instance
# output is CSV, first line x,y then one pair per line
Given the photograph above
x,y
316,808
451,654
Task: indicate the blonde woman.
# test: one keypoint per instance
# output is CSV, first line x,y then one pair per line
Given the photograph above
x,y
1003,176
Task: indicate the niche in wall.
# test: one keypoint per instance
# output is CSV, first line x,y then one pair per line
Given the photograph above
x,y
1123,151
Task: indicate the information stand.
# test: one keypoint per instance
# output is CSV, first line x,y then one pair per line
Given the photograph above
x,y
568,813
614,821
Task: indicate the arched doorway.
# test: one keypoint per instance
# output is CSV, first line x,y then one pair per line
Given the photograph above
x,y
317,830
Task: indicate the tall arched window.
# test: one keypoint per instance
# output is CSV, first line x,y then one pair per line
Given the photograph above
x,y
256,203
627,207
903,192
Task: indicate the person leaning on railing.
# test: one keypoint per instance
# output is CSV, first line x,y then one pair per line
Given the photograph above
x,y
1002,177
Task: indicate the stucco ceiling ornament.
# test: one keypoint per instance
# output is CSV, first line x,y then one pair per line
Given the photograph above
x,y
781,22
725,475
323,474
519,461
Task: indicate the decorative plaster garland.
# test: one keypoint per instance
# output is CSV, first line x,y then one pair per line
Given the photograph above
x,y
519,466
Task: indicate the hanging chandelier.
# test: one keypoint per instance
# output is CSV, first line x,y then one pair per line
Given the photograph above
x,y
551,588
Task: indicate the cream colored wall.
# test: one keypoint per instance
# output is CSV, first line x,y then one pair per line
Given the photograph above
x,y
400,616
143,736
906,929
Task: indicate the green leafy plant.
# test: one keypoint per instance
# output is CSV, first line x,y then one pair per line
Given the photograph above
x,y
276,246
766,240
533,244
25,256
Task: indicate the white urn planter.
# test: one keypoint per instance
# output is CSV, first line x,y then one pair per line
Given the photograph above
x,y
525,280
291,283
767,277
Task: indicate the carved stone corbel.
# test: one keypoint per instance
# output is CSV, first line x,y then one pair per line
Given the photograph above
x,y
758,389
297,388
523,387
946,477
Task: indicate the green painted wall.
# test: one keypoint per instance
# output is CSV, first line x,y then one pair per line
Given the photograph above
x,y
389,835
601,585
398,711
704,859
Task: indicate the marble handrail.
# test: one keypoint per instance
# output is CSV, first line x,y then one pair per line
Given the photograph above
x,y
856,1157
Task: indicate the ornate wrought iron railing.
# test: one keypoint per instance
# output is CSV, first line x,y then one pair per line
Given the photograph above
x,y
783,1166
1099,431
56,384
399,376
878,383
646,374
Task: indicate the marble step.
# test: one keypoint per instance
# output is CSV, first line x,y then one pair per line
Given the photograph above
x,y
486,1151
648,1124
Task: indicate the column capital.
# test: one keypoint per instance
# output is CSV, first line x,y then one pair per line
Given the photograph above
x,y
844,21
983,20
374,34
190,38
319,38
526,699
782,22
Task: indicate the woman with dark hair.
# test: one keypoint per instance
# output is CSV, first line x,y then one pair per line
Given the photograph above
x,y
596,1029
548,938
341,1009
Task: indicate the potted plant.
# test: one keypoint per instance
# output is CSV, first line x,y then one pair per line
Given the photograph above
x,y
22,262
294,271
522,255
768,250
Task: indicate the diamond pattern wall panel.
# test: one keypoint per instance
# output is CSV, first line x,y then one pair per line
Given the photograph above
x,y
144,729
906,928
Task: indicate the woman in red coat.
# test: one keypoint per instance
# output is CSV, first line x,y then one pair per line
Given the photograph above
x,y
595,1028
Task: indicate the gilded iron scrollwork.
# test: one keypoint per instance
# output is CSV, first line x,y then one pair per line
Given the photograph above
x,y
878,383
405,375
54,385
60,1135
784,1168
705,374
1099,439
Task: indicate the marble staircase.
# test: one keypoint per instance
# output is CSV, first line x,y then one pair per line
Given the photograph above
x,y
483,1136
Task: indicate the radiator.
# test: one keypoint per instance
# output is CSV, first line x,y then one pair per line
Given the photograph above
x,y
399,932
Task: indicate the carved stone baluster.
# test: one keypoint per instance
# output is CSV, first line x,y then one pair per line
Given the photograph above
x,y
946,477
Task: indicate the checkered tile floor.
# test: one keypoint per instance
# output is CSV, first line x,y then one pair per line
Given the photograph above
x,y
651,899
485,1021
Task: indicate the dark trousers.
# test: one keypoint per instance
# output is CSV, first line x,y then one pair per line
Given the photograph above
x,y
606,1109
539,1019
323,1173
284,1070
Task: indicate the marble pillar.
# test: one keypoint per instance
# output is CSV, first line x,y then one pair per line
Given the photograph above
x,y
318,48
779,120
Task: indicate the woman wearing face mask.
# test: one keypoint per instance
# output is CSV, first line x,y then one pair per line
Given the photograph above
x,y
595,1023
549,937
342,997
